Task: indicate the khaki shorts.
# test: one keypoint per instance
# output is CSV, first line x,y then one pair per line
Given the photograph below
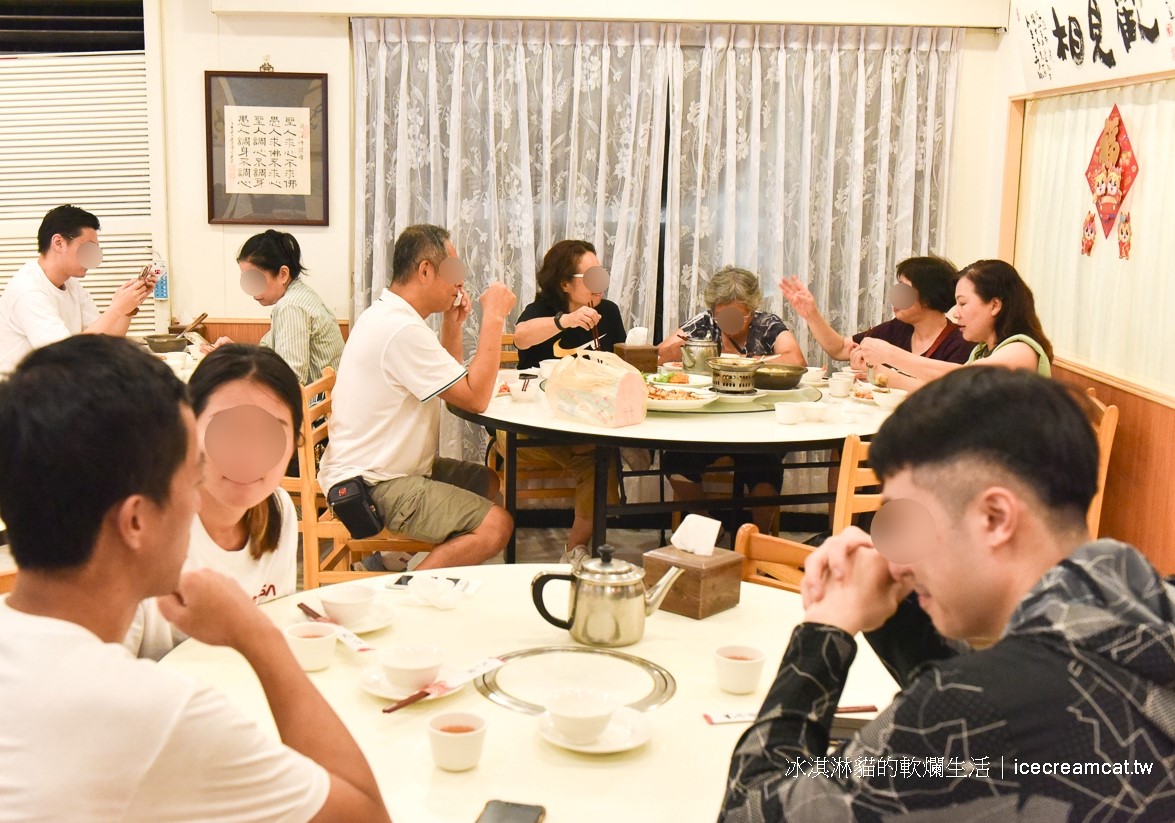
x,y
448,503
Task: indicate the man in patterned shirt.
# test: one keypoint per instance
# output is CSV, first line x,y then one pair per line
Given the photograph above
x,y
1038,666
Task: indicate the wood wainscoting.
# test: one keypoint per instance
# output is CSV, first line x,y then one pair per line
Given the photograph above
x,y
248,331
1138,508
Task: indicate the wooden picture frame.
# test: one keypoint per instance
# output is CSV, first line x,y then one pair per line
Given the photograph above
x,y
266,134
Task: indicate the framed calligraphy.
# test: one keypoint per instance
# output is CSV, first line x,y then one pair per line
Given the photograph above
x,y
267,149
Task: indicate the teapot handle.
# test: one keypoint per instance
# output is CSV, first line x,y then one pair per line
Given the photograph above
x,y
536,593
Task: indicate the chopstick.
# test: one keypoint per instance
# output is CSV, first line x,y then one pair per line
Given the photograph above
x,y
309,612
855,709
407,701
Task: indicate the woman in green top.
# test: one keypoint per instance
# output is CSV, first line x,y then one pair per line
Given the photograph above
x,y
996,312
302,330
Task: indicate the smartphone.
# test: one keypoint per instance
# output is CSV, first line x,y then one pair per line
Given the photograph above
x,y
467,586
501,811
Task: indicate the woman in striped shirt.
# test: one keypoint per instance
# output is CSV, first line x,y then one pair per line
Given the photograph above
x,y
302,329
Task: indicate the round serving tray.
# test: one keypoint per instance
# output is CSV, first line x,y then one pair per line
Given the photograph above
x,y
573,663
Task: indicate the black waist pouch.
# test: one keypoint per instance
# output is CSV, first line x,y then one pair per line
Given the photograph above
x,y
351,502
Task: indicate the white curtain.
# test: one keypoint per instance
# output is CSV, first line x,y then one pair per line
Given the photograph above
x,y
816,151
513,135
1101,310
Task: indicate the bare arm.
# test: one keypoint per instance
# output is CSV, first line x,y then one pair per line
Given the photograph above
x,y
117,318
669,349
877,352
214,609
835,344
474,392
787,350
536,330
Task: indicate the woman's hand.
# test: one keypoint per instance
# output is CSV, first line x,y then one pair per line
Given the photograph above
x,y
877,351
799,297
207,348
857,360
585,317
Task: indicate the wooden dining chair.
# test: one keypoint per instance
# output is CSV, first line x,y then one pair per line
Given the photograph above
x,y
777,561
1105,424
318,521
7,580
509,352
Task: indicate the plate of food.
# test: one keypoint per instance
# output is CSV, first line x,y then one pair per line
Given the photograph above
x,y
862,392
680,378
662,398
672,365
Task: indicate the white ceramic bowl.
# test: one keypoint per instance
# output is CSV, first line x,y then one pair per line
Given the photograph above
x,y
346,604
547,367
889,398
581,714
410,668
532,393
788,413
813,412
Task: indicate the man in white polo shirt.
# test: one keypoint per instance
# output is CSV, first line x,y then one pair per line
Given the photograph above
x,y
100,474
45,302
385,426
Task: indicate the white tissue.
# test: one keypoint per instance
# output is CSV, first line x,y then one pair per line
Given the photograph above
x,y
637,336
696,534
439,592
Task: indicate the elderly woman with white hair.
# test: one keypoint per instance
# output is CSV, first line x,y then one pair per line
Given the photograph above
x,y
734,293
734,321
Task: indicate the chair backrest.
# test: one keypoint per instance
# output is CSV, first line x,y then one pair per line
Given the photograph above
x,y
317,405
509,351
7,580
771,561
852,478
1105,423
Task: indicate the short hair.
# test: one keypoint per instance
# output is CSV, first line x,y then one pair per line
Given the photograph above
x,y
933,278
68,221
1029,426
416,244
995,278
559,265
731,284
265,367
271,250
84,424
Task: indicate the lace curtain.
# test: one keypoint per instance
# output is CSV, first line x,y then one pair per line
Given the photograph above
x,y
816,151
513,135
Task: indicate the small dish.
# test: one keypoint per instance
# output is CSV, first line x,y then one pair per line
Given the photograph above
x,y
375,682
672,365
379,616
693,381
701,397
741,398
627,730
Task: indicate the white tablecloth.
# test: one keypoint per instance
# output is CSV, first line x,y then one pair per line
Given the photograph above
x,y
678,777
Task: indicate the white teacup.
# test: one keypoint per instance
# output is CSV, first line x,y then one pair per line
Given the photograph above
x,y
411,668
313,644
525,391
547,367
840,385
813,374
581,714
788,413
346,604
456,740
739,668
177,360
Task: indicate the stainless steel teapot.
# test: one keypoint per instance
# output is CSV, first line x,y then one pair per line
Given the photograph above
x,y
608,601
695,353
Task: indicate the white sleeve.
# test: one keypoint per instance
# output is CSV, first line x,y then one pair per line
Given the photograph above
x,y
416,359
217,765
35,315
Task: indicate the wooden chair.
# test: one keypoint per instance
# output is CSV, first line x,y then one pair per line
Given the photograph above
x,y
1105,424
537,480
7,580
335,566
778,562
509,352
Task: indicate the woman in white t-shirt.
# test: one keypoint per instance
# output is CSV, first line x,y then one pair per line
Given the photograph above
x,y
248,407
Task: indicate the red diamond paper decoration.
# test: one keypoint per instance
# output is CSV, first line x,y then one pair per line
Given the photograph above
x,y
1111,171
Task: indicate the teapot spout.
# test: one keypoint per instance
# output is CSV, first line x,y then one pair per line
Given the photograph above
x,y
655,595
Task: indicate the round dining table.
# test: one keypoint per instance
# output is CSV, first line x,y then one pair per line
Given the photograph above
x,y
722,427
677,776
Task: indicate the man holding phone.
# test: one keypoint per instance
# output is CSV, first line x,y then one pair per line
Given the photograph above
x,y
385,428
45,302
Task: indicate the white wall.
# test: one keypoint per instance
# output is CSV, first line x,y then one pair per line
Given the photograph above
x,y
194,40
201,256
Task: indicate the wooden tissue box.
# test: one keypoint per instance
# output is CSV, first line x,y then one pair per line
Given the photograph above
x,y
643,358
707,586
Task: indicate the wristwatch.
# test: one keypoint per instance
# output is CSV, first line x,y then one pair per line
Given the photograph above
x,y
558,317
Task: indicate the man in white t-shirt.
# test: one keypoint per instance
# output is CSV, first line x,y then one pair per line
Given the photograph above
x,y
385,425
45,302
99,480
